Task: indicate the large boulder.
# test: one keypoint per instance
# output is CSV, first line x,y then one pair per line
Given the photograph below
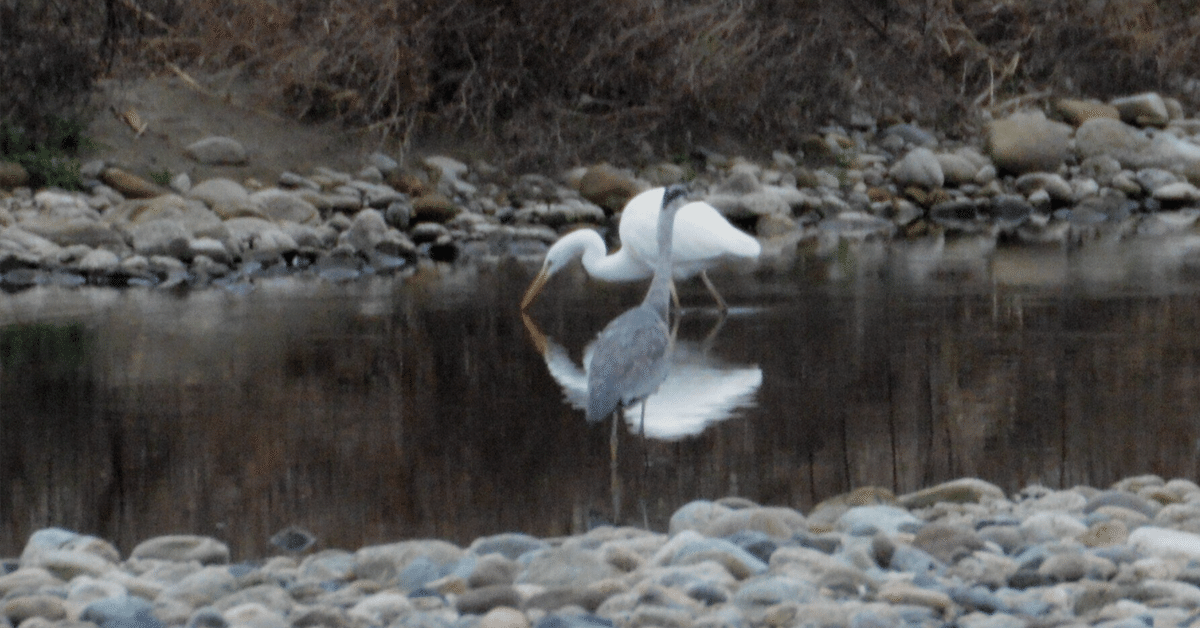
x,y
217,151
226,197
1028,142
1148,109
281,205
608,187
1105,136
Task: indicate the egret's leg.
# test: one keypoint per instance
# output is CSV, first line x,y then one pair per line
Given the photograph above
x,y
675,297
711,337
713,290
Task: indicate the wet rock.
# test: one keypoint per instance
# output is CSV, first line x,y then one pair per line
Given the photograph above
x,y
911,133
253,615
504,617
27,580
493,569
957,169
565,566
183,547
121,612
47,543
130,185
1050,525
774,522
259,236
194,215
1164,542
181,183
366,230
761,593
510,545
696,515
381,609
946,543
383,563
484,599
160,237
963,490
67,232
919,167
1122,499
1105,534
434,208
280,204
1104,137
689,548
267,596
70,563
898,592
217,151
608,187
449,175
1077,111
564,213
98,261
23,607
1177,194
1056,187
378,196
228,198
870,520
1027,142
1146,109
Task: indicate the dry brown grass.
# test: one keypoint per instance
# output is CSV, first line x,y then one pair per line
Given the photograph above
x,y
541,83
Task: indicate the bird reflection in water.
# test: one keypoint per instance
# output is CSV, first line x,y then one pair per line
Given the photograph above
x,y
700,389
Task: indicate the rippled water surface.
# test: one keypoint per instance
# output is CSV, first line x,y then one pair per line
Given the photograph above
x,y
427,406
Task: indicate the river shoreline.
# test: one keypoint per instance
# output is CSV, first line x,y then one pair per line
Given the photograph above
x,y
961,552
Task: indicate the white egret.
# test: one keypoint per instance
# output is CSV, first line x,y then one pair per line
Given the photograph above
x,y
702,238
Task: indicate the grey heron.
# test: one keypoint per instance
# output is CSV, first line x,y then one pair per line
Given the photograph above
x,y
630,357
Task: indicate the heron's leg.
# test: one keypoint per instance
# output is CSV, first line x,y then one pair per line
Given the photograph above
x,y
612,441
713,290
643,428
614,481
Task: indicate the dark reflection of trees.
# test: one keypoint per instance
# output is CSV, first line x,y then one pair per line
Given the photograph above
x,y
415,408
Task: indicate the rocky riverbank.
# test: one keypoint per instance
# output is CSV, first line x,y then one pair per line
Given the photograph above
x,y
1121,169
961,553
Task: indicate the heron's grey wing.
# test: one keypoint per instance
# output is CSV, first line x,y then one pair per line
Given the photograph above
x,y
648,368
628,361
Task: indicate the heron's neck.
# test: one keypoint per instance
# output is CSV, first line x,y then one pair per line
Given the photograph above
x,y
659,294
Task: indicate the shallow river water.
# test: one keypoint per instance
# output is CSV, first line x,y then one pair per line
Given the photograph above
x,y
425,405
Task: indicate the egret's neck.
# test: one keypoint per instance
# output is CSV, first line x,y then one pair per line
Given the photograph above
x,y
593,255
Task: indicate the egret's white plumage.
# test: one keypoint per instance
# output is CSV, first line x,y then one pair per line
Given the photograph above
x,y
702,238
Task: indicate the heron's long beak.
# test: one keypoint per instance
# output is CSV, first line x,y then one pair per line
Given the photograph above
x,y
534,288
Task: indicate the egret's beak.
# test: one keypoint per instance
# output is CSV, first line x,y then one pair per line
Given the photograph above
x,y
535,334
534,288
